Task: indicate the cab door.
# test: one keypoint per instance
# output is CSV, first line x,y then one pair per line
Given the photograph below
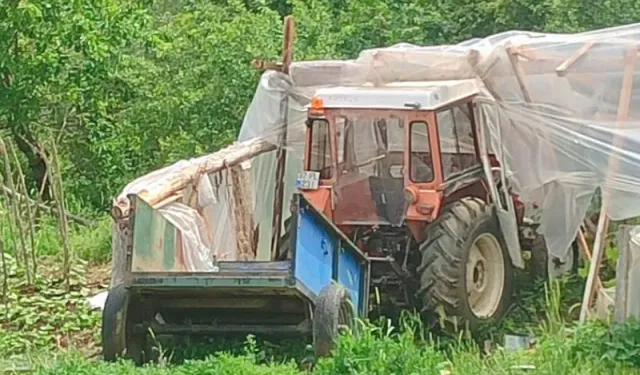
x,y
487,121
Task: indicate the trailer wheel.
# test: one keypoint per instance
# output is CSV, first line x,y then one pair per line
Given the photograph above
x,y
121,311
466,269
540,267
333,313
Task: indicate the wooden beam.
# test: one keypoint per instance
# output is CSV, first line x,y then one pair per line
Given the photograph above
x,y
223,159
172,198
518,73
624,102
287,58
242,212
561,70
582,241
267,65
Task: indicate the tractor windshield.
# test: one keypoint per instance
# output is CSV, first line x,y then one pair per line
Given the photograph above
x,y
370,185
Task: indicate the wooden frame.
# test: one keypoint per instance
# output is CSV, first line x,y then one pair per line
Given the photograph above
x,y
283,67
542,64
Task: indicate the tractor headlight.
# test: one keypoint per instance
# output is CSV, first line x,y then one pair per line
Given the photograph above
x,y
410,195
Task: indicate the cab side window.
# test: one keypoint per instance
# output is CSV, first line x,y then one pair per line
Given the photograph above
x,y
320,152
457,141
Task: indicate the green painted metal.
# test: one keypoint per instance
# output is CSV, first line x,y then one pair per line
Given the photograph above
x,y
154,241
170,233
211,281
142,229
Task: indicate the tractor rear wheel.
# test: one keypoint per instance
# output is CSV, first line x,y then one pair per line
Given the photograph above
x,y
465,267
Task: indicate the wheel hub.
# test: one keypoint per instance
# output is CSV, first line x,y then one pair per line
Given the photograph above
x,y
478,275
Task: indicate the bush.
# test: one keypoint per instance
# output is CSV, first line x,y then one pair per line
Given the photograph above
x,y
93,244
617,344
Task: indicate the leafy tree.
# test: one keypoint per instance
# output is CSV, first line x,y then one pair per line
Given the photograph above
x,y
128,86
60,62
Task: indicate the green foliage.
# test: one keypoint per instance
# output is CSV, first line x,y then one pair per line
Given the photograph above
x,y
44,316
130,86
62,64
585,349
222,364
619,343
379,349
93,244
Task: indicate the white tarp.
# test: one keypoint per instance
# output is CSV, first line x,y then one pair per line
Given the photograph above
x,y
563,135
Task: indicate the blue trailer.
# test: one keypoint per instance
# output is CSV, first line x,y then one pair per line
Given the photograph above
x,y
322,287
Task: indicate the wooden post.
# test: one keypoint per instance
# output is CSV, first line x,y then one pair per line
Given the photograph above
x,y
242,213
631,56
281,154
519,74
587,252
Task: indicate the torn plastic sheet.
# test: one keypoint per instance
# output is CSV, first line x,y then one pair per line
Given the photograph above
x,y
195,236
556,114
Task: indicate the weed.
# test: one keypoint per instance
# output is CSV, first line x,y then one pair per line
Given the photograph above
x,y
44,316
93,244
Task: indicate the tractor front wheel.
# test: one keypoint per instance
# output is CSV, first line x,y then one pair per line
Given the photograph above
x,y
465,269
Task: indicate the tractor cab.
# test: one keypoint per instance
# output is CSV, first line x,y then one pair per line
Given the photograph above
x,y
385,155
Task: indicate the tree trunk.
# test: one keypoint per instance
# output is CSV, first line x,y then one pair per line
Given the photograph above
x,y
37,165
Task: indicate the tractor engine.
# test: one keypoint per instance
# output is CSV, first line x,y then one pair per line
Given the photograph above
x,y
394,258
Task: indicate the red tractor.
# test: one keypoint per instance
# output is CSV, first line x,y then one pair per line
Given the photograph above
x,y
404,170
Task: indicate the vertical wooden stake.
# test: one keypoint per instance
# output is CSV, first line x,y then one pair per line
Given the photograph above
x,y
30,216
287,57
242,214
624,102
5,271
587,253
15,209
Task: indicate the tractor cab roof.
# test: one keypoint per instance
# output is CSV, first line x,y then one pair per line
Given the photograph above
x,y
404,95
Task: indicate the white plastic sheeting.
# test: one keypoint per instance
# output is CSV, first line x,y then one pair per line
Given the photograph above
x,y
562,133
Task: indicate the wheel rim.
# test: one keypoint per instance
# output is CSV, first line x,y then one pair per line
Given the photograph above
x,y
345,317
485,276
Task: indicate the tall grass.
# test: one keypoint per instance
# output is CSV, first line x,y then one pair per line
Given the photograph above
x,y
92,244
381,349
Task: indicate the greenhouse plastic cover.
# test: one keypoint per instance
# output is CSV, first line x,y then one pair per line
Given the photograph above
x,y
560,133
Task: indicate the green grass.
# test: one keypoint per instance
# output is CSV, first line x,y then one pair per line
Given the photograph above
x,y
92,244
56,333
379,349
